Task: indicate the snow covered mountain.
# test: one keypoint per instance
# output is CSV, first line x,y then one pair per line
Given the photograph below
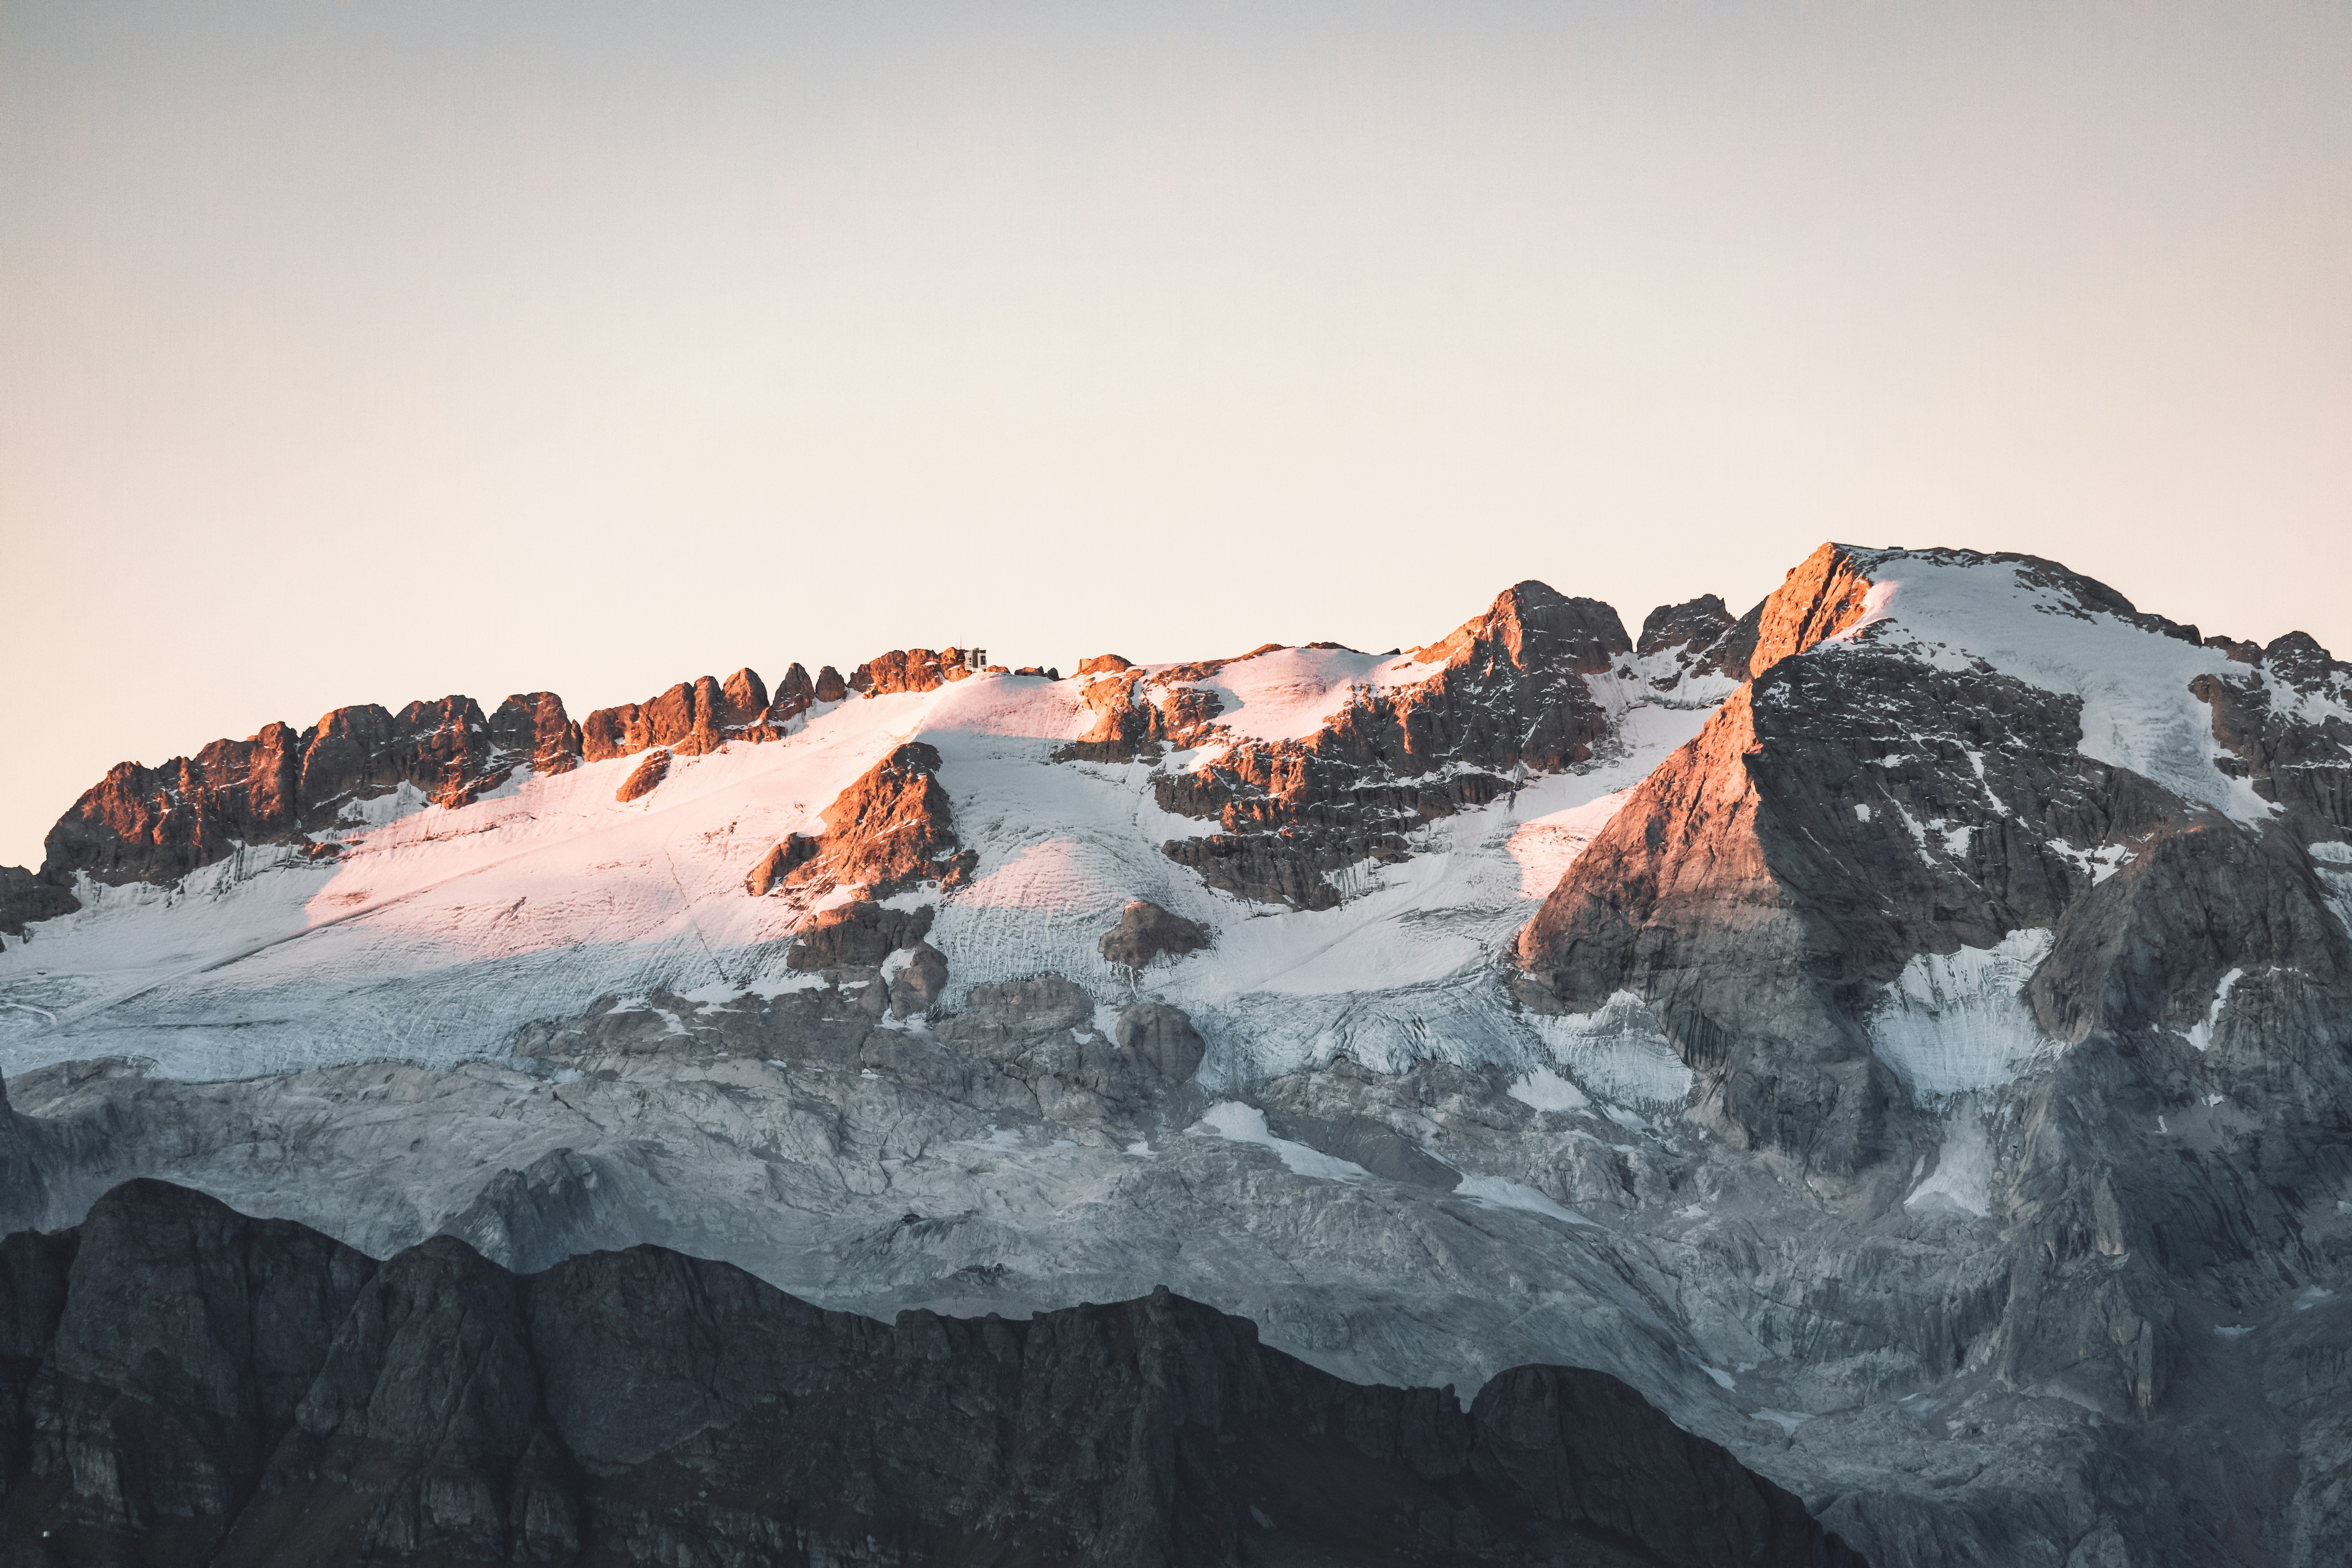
x,y
1903,1030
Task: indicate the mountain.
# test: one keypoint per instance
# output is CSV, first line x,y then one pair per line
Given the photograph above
x,y
187,1386
1901,1030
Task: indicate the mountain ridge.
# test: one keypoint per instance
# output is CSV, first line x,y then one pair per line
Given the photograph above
x,y
1900,1029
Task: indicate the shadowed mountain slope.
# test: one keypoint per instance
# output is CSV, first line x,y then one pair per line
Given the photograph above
x,y
181,1385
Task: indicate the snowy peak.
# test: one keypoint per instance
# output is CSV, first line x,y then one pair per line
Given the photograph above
x,y
1938,751
1534,626
2256,734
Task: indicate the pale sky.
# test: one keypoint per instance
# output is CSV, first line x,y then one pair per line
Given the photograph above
x,y
365,353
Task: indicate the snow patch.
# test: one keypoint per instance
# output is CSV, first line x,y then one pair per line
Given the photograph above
x,y
2137,711
1239,1123
1962,1179
1957,1022
1617,1053
1496,1193
1287,694
1544,846
1546,1090
2201,1034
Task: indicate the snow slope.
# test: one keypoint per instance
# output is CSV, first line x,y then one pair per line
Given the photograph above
x,y
1950,609
438,933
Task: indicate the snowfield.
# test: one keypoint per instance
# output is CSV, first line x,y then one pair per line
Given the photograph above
x,y
438,933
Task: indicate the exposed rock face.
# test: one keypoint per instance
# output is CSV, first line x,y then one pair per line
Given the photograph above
x,y
160,1354
690,718
220,1390
1017,1049
915,670
26,896
890,830
830,687
1696,624
644,778
2288,736
1135,716
792,697
1821,595
1858,811
1509,694
1163,1038
533,725
24,1192
1145,931
1840,817
159,824
1701,638
858,935
561,1205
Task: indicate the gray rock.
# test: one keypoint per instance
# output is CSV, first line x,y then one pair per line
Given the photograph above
x,y
218,1390
1146,932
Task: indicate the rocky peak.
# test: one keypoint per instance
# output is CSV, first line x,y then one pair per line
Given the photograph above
x,y
1103,664
1535,628
1856,807
533,725
793,695
2299,660
1821,595
277,786
690,718
1696,624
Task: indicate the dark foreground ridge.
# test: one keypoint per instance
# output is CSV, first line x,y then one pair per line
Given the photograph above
x,y
180,1384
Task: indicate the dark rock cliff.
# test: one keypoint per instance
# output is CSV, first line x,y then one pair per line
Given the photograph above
x,y
181,1385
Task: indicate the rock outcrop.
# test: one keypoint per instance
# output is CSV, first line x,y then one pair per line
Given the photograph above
x,y
644,778
28,896
1696,624
280,786
695,717
860,935
890,830
915,670
1507,693
2289,735
24,1191
1146,932
181,1385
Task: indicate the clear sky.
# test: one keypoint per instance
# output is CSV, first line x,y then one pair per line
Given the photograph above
x,y
368,353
